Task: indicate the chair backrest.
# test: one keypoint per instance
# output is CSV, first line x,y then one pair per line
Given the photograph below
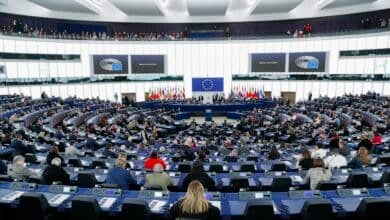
x,y
247,168
98,164
86,180
237,183
385,178
372,208
281,184
75,162
33,206
384,159
278,167
30,158
317,209
86,208
218,168
184,168
324,185
259,209
135,209
175,159
357,180
6,178
252,158
230,159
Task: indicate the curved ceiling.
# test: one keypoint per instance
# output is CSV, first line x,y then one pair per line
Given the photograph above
x,y
187,11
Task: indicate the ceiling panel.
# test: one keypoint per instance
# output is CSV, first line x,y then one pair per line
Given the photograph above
x,y
207,7
138,7
343,3
275,6
63,5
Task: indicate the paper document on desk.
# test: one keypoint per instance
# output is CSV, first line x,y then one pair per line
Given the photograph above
x,y
106,202
58,199
216,204
12,196
276,210
156,205
297,178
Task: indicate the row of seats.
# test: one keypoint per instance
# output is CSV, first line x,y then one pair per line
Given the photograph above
x,y
34,206
279,183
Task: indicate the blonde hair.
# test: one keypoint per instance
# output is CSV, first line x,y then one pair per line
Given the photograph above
x,y
194,201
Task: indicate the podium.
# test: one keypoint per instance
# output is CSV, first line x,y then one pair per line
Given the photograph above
x,y
208,115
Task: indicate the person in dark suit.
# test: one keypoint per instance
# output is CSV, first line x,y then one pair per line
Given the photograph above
x,y
19,146
92,144
365,142
273,154
120,176
198,173
306,162
3,167
109,151
55,173
37,127
54,153
194,205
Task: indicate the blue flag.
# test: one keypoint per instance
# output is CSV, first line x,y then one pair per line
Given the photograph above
x,y
207,84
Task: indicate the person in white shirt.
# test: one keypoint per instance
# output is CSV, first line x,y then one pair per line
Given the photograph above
x,y
335,160
71,150
317,174
318,152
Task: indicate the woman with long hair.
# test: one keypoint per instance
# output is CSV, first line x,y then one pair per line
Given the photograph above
x,y
194,204
306,162
361,159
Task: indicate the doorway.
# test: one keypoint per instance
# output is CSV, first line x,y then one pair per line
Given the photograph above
x,y
268,94
290,96
128,97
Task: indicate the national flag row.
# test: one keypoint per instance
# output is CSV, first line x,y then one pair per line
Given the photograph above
x,y
244,92
166,93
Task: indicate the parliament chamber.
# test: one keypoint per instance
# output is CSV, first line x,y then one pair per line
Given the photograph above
x,y
194,110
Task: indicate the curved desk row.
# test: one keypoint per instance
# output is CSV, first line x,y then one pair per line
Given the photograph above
x,y
344,202
224,107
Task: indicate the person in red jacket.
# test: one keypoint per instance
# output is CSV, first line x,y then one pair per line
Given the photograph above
x,y
153,160
377,139
307,28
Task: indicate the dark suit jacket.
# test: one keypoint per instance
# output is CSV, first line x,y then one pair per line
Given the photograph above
x,y
20,148
92,144
204,178
109,154
54,173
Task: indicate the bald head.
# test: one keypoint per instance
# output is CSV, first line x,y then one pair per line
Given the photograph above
x,y
158,168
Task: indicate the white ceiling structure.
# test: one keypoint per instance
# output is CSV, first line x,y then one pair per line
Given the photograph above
x,y
187,11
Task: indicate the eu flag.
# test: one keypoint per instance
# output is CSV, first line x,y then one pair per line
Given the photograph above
x,y
207,84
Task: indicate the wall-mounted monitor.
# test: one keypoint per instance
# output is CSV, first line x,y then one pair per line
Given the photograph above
x,y
145,64
307,62
110,64
268,62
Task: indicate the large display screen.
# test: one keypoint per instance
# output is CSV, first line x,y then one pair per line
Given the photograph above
x,y
268,62
110,64
207,84
147,64
307,62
